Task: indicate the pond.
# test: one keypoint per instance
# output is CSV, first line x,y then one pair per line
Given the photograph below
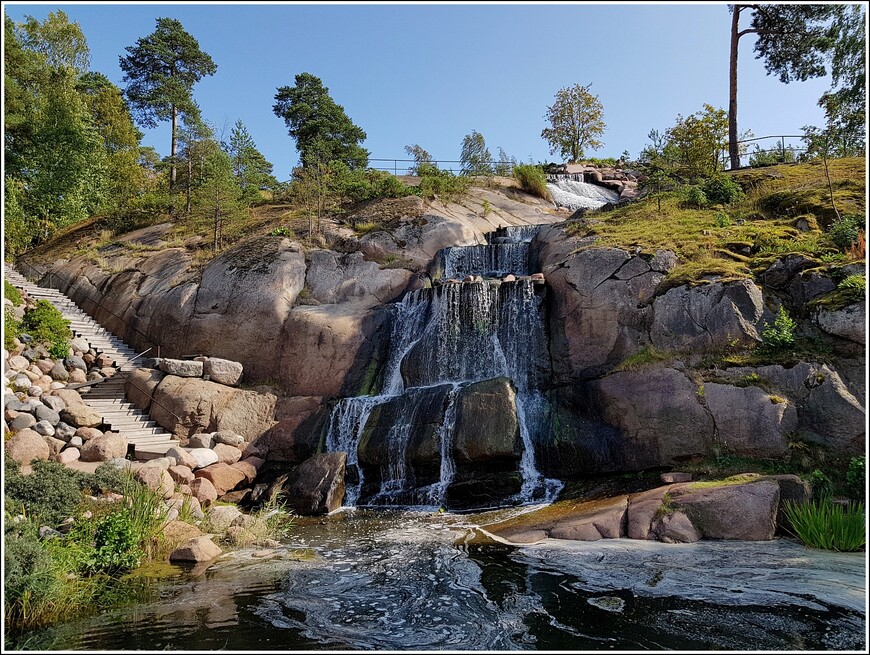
x,y
400,580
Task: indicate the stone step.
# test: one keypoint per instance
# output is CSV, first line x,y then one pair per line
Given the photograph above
x,y
143,432
153,451
119,424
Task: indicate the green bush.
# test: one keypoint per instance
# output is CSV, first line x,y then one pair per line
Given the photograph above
x,y
722,190
11,293
782,333
50,494
435,182
533,180
821,485
32,579
117,548
856,480
694,196
844,232
771,157
853,283
828,525
722,219
11,328
46,324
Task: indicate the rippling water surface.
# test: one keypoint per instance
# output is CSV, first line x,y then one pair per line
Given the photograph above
x,y
366,580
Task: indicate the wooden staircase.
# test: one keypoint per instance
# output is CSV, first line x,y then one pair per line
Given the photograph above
x,y
108,396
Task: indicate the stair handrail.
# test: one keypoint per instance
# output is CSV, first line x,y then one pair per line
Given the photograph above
x,y
99,302
118,371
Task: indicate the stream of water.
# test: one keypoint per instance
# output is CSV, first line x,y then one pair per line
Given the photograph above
x,y
399,580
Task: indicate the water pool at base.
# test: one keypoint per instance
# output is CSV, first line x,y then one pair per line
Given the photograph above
x,y
397,580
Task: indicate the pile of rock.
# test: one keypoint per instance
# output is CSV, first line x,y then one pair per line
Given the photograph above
x,y
48,420
213,369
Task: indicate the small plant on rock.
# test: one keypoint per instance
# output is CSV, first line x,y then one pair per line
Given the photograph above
x,y
694,196
828,525
782,333
856,480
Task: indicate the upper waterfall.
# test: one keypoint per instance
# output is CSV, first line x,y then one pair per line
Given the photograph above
x,y
575,194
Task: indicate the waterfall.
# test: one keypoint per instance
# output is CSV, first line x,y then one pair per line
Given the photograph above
x,y
443,339
506,251
576,194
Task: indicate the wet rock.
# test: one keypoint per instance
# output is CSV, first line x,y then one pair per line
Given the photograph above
x,y
676,528
317,485
198,549
750,421
731,511
675,476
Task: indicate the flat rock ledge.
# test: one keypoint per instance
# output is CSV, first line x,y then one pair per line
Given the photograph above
x,y
743,507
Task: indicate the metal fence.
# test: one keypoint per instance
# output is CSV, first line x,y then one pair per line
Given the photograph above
x,y
402,166
783,146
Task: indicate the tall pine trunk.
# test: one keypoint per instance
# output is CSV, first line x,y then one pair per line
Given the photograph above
x,y
733,148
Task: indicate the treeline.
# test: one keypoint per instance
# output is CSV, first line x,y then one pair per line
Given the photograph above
x,y
73,149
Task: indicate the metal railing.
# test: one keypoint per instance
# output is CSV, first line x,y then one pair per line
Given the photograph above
x,y
403,166
781,149
118,370
99,303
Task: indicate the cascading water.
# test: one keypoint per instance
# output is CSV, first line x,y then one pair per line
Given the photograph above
x,y
442,340
576,194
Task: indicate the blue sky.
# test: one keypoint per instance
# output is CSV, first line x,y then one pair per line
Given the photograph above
x,y
431,73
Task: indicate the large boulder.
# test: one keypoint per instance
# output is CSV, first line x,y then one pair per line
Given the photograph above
x,y
198,549
849,322
103,448
223,371
708,317
27,446
749,421
223,477
487,427
186,406
745,511
660,413
81,415
316,486
576,521
157,479
183,368
348,278
141,383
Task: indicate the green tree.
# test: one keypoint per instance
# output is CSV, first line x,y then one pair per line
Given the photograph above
x,y
576,123
475,157
196,144
694,144
322,130
160,71
420,156
127,181
505,164
54,156
791,39
217,199
250,168
844,104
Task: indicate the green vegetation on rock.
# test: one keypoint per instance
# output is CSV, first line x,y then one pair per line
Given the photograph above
x,y
828,525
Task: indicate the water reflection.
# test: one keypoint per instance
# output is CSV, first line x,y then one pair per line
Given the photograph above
x,y
367,580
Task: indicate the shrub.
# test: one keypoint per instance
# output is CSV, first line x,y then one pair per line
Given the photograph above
x,y
435,182
856,480
782,333
722,219
533,180
694,196
50,493
821,484
282,232
11,293
722,190
856,283
46,324
828,525
11,328
844,232
117,548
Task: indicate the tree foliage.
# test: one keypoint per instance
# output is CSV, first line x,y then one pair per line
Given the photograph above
x,y
420,156
792,40
322,130
576,123
251,169
160,71
475,157
55,159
